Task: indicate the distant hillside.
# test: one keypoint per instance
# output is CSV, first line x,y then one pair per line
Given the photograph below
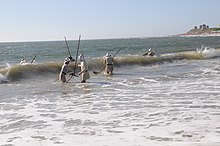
x,y
203,30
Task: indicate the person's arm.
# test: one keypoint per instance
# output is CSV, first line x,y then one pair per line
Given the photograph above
x,y
104,61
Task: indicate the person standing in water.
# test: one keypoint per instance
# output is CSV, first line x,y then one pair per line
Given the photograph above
x,y
150,53
64,70
23,61
109,64
84,72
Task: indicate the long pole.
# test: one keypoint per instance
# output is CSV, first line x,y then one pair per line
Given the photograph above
x,y
77,51
33,59
67,46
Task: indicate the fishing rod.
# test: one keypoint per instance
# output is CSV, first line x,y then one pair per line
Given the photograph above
x,y
33,59
67,46
97,72
77,51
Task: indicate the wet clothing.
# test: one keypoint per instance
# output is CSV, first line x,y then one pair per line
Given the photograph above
x,y
151,53
109,64
64,70
84,73
23,62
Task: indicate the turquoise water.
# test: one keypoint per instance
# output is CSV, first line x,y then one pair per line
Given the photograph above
x,y
171,99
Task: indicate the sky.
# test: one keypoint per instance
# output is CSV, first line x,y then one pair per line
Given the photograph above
x,y
48,20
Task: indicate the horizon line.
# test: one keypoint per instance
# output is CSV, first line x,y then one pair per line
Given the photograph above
x,y
26,41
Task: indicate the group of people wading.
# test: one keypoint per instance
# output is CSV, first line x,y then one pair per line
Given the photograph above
x,y
84,72
108,62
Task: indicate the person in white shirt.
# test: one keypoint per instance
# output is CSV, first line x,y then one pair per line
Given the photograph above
x,y
84,72
150,53
23,61
109,64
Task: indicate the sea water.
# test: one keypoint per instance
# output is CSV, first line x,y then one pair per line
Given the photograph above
x,y
168,100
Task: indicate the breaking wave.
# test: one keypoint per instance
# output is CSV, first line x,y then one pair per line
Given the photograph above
x,y
18,72
208,52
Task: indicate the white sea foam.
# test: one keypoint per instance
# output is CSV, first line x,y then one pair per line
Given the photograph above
x,y
3,79
171,104
209,52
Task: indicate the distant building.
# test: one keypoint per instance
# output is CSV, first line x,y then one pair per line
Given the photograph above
x,y
204,26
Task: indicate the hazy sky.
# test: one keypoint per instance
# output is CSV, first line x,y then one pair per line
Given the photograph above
x,y
32,20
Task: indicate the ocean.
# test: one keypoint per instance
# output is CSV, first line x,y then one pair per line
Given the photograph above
x,y
172,99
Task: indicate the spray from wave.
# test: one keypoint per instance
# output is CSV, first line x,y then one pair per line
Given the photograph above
x,y
4,77
208,52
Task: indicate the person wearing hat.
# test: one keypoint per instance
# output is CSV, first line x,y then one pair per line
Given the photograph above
x,y
23,61
70,58
84,72
64,70
150,53
109,63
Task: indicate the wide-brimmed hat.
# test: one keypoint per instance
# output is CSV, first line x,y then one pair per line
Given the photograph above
x,y
67,60
71,58
108,54
81,57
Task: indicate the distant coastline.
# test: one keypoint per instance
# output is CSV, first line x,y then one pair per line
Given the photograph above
x,y
203,31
